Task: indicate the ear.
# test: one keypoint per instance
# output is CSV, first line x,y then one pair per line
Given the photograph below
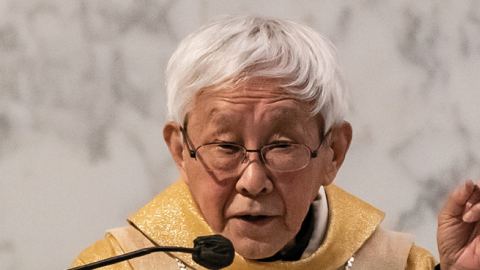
x,y
174,139
341,137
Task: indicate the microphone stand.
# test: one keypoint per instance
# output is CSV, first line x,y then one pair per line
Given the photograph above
x,y
134,254
211,252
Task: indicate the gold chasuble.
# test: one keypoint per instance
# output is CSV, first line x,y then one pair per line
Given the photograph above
x,y
354,239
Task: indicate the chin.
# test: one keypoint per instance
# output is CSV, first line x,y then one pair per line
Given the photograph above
x,y
251,249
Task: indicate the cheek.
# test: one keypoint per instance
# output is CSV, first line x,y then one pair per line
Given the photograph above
x,y
316,173
209,196
298,193
297,202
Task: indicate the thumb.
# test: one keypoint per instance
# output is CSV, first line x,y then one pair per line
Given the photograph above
x,y
457,201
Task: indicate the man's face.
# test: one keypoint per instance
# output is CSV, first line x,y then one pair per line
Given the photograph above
x,y
259,210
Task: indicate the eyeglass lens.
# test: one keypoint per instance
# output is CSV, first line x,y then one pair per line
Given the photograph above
x,y
281,158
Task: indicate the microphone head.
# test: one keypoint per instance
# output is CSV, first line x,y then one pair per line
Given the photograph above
x,y
213,251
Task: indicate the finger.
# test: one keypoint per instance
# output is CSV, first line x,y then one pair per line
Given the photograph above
x,y
461,194
455,205
474,197
472,207
473,214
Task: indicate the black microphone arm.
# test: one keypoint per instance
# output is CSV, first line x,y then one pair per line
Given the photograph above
x,y
211,252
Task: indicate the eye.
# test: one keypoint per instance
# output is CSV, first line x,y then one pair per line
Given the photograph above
x,y
227,148
281,145
281,148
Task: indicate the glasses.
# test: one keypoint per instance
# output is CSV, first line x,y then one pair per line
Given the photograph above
x,y
227,157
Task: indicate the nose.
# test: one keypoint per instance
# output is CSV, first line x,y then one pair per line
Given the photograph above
x,y
254,180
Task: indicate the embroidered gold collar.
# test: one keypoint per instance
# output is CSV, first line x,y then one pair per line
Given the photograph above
x,y
171,219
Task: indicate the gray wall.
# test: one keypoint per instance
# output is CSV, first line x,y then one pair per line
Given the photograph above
x,y
82,107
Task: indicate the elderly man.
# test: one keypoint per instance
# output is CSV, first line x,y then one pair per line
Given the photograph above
x,y
258,135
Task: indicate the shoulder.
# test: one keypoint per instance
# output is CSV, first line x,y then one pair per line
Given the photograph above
x,y
123,240
102,249
384,249
420,258
387,249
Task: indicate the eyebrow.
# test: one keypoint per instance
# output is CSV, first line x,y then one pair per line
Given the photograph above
x,y
282,115
223,120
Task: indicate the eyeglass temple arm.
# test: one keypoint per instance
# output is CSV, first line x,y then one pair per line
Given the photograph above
x,y
314,154
190,151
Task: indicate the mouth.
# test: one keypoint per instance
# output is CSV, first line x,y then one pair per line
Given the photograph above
x,y
257,220
253,218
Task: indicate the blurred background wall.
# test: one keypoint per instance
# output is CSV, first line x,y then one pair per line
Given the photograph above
x,y
82,106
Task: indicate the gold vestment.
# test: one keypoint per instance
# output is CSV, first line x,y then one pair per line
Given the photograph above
x,y
171,219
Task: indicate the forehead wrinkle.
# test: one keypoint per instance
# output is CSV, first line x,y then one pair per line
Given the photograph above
x,y
256,95
256,88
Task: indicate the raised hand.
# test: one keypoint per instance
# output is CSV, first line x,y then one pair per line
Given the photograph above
x,y
458,235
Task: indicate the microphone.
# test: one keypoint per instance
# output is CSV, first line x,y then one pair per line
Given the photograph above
x,y
211,252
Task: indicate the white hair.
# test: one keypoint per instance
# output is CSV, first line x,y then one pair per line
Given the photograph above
x,y
237,48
